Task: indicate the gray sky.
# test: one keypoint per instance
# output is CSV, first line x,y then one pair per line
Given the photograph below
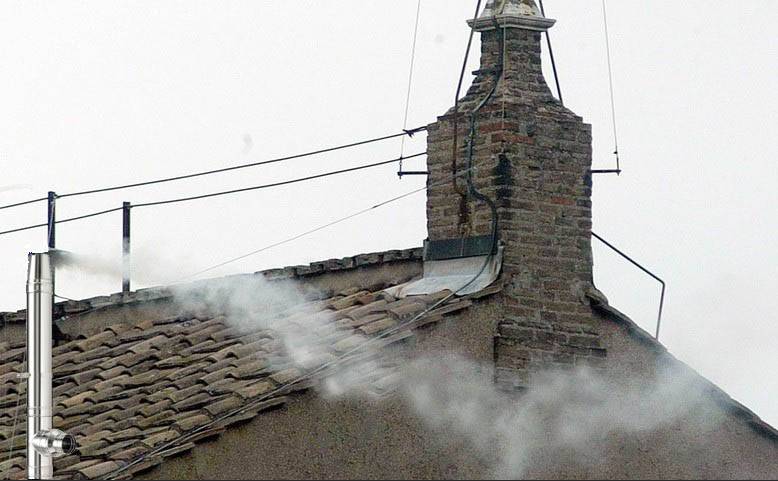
x,y
96,93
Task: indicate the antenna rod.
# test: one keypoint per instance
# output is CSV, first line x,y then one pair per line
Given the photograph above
x,y
126,207
51,220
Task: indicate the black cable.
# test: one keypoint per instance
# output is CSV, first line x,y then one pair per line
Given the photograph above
x,y
610,82
455,150
244,166
277,184
408,132
63,221
553,60
184,199
23,203
410,82
472,139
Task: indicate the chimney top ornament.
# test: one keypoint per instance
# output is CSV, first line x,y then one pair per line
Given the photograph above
x,y
523,14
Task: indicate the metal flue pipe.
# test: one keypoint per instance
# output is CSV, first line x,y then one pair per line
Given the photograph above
x,y
43,442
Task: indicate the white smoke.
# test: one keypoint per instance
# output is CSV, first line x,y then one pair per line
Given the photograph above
x,y
101,267
311,336
295,318
572,412
146,266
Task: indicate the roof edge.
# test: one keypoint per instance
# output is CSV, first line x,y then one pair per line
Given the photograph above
x,y
374,259
600,304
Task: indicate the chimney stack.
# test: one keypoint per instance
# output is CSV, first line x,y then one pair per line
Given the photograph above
x,y
532,157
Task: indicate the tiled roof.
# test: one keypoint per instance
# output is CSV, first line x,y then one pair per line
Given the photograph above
x,y
132,388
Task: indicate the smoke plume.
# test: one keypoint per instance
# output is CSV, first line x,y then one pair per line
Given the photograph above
x,y
574,412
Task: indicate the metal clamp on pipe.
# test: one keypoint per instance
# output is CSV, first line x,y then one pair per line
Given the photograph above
x,y
54,443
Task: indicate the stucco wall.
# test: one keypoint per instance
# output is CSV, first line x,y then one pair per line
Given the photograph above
x,y
713,442
312,437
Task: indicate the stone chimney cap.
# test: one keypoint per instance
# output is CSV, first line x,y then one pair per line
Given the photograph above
x,y
523,14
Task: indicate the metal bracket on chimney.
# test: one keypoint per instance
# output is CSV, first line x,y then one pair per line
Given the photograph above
x,y
456,265
457,248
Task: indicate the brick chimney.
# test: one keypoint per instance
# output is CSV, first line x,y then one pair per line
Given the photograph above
x,y
532,157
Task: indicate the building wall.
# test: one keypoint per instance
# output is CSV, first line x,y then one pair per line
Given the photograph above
x,y
317,438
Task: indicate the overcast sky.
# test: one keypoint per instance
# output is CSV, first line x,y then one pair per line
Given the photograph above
x,y
98,93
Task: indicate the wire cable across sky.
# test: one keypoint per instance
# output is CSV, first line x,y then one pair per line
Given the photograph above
x,y
408,132
215,194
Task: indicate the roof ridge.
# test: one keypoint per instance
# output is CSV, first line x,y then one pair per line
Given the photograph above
x,y
73,307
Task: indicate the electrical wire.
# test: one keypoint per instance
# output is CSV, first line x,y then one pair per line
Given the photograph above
x,y
244,166
276,184
553,60
214,194
455,148
32,201
63,221
410,81
610,79
408,132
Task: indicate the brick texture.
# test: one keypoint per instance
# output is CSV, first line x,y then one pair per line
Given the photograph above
x,y
533,157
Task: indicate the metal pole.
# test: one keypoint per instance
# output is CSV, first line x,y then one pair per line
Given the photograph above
x,y
636,264
40,290
51,220
661,306
126,266
43,442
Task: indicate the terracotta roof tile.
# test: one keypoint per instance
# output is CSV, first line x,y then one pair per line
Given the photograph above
x,y
8,355
106,338
162,437
98,470
161,394
378,326
192,421
93,354
225,405
193,402
81,465
159,419
256,389
114,447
